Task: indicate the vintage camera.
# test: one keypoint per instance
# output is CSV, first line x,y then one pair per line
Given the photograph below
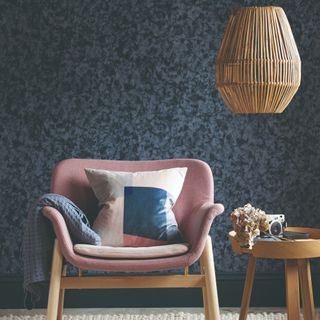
x,y
277,223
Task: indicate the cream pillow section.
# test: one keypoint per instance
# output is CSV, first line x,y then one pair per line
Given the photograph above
x,y
108,184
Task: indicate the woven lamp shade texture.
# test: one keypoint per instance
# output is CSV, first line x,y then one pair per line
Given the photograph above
x,y
258,67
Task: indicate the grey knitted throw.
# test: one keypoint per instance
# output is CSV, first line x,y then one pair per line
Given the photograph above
x,y
39,236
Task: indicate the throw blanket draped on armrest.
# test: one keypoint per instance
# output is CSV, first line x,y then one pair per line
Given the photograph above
x,y
38,240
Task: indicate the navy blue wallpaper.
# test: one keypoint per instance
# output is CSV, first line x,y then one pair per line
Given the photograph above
x,y
134,79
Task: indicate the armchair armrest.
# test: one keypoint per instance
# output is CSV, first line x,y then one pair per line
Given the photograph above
x,y
197,227
60,230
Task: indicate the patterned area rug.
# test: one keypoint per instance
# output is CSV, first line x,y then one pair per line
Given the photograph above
x,y
141,314
162,316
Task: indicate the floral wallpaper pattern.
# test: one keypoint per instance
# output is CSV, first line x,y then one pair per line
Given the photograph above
x,y
134,79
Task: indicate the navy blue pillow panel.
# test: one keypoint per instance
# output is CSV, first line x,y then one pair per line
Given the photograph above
x,y
146,214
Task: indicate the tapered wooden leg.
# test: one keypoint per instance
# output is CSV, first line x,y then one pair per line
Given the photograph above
x,y
292,289
306,289
204,291
210,291
245,302
55,279
61,296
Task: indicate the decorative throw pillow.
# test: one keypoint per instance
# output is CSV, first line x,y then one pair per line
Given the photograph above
x,y
136,207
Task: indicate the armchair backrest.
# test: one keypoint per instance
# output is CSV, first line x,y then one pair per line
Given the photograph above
x,y
69,180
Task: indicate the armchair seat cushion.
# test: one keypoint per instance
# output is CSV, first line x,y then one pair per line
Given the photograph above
x,y
152,252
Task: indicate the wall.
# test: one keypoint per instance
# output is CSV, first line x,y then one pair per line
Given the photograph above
x,y
134,80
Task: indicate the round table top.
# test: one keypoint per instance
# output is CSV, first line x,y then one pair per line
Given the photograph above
x,y
288,249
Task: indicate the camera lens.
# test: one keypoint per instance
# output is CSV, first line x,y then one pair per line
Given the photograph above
x,y
275,228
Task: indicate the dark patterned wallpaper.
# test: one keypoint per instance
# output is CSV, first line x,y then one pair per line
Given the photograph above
x,y
134,80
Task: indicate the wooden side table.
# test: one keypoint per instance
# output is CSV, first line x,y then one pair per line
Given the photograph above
x,y
296,255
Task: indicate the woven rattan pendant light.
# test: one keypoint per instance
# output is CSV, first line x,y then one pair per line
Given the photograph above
x,y
258,64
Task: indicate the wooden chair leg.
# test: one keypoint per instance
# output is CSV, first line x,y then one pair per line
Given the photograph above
x,y
210,291
306,289
204,291
61,296
246,296
54,290
292,289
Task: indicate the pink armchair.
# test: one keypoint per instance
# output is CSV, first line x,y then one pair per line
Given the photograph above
x,y
194,211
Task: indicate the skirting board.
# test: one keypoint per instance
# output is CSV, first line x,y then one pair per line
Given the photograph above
x,y
268,291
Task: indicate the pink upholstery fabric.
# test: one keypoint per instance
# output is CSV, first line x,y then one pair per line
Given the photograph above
x,y
194,209
153,252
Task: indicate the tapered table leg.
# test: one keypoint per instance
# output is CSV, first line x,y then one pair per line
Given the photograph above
x,y
292,289
245,302
306,289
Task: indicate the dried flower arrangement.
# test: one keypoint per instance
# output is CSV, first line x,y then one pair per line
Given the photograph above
x,y
248,222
